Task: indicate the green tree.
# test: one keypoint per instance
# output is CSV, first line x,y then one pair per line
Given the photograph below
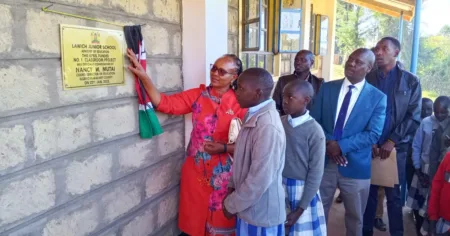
x,y
348,33
434,62
445,30
389,26
355,26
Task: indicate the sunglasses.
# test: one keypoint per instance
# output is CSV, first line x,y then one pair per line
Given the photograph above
x,y
220,71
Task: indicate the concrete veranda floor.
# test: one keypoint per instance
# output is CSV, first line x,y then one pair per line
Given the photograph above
x,y
336,223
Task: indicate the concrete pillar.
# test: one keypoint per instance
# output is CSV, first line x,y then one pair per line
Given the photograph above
x,y
205,34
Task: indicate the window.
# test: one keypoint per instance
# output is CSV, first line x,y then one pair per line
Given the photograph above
x,y
264,35
287,63
290,26
320,44
255,25
289,35
257,59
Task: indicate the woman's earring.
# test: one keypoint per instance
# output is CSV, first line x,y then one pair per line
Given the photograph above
x,y
233,84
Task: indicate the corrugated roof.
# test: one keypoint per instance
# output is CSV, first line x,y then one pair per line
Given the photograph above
x,y
389,7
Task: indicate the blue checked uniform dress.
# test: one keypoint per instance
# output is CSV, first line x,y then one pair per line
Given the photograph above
x,y
245,229
312,221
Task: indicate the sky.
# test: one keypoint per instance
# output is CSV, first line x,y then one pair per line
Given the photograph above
x,y
435,14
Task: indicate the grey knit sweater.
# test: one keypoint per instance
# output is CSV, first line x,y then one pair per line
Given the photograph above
x,y
305,156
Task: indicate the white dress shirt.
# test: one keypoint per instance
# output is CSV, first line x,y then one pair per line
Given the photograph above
x,y
355,94
294,122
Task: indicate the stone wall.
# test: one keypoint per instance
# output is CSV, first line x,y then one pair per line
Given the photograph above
x,y
72,162
233,26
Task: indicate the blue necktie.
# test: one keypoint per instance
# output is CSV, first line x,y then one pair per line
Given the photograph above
x,y
339,127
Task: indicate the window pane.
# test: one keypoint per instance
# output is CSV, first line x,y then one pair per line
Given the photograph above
x,y
285,67
291,21
263,18
324,36
263,41
251,60
251,9
290,42
269,63
292,4
261,61
251,35
243,58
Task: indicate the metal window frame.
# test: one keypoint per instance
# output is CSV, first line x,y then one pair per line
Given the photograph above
x,y
300,11
260,52
259,56
246,22
318,35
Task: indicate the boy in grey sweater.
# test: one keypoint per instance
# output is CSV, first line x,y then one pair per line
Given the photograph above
x,y
256,192
304,165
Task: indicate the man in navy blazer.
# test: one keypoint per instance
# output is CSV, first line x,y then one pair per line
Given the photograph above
x,y
351,113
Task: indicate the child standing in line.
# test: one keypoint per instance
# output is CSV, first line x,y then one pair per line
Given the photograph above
x,y
256,192
419,189
439,205
304,165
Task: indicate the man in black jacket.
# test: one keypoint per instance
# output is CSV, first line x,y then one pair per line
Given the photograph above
x,y
402,119
303,62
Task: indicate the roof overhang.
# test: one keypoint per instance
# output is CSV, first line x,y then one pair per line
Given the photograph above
x,y
389,7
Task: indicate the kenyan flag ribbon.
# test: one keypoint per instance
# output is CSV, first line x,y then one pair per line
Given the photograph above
x,y
149,125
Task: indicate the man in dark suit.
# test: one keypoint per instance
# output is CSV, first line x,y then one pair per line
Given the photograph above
x,y
351,113
303,62
404,98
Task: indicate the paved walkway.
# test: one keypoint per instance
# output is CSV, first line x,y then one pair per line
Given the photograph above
x,y
336,223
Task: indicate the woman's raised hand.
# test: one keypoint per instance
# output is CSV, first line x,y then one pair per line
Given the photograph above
x,y
135,66
137,69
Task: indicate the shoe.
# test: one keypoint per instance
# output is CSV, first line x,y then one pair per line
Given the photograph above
x,y
339,199
379,224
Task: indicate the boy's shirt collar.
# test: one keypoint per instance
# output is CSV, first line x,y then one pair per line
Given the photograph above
x,y
294,122
252,110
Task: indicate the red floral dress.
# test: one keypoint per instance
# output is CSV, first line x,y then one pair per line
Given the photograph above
x,y
204,177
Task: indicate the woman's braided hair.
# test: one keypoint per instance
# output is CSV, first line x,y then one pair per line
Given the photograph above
x,y
239,68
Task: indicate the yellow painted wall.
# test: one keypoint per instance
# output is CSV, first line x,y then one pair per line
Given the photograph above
x,y
328,8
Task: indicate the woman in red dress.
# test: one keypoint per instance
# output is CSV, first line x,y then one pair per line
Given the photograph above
x,y
207,168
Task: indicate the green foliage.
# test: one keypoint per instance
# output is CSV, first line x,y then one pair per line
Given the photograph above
x,y
338,72
390,26
429,94
434,62
445,30
360,27
348,34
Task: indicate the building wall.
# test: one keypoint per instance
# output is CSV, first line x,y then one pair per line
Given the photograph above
x,y
327,8
233,26
72,162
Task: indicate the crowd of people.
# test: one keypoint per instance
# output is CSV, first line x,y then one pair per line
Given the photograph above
x,y
302,140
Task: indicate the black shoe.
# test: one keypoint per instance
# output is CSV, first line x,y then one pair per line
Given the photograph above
x,y
339,199
367,232
183,234
379,224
